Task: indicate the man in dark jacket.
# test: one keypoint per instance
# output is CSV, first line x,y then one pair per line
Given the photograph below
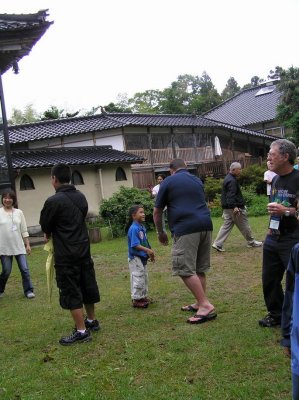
x,y
234,212
63,219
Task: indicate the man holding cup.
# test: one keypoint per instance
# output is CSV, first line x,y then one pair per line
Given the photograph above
x,y
283,231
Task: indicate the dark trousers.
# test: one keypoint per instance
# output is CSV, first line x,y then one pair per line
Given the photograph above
x,y
295,381
276,254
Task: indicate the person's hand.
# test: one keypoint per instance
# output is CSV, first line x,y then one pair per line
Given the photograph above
x,y
46,238
163,238
28,249
287,351
276,209
236,211
151,255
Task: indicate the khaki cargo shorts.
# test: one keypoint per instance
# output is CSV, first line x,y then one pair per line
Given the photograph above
x,y
191,253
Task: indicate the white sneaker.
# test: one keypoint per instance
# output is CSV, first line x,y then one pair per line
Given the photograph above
x,y
255,243
30,295
1,294
218,248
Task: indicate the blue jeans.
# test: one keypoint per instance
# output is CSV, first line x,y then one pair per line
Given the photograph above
x,y
23,267
295,380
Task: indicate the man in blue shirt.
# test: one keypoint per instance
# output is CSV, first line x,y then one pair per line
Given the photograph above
x,y
191,229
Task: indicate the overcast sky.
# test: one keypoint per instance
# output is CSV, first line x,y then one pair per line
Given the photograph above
x,y
97,49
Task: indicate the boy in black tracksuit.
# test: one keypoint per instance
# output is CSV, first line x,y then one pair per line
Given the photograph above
x,y
63,219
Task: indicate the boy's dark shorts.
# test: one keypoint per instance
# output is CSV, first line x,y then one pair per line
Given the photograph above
x,y
77,285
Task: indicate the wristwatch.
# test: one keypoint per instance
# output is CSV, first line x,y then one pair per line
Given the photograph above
x,y
287,213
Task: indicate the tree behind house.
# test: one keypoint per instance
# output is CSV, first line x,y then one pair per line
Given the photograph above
x,y
288,109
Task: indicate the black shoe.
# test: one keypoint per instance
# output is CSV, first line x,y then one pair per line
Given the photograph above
x,y
92,326
76,336
269,321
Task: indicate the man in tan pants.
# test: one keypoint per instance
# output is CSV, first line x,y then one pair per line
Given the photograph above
x,y
234,212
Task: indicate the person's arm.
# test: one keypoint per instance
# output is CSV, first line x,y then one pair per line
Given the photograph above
x,y
47,218
147,250
27,245
281,210
267,179
287,309
160,204
162,235
24,233
230,191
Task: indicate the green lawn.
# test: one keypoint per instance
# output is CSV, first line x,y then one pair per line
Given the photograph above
x,y
146,354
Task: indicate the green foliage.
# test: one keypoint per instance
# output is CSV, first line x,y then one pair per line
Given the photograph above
x,y
147,102
254,81
212,188
185,95
253,176
92,111
215,206
55,113
253,190
288,109
122,104
115,209
256,204
146,354
116,108
230,89
27,116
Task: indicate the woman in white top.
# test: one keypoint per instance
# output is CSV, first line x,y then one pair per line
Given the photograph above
x,y
13,234
268,177
160,178
155,191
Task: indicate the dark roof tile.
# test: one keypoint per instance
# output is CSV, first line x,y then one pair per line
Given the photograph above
x,y
106,121
18,34
47,157
245,108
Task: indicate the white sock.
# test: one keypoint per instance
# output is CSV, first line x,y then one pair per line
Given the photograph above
x,y
89,320
81,330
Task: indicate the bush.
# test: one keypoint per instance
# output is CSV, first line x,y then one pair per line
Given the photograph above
x,y
212,188
256,204
249,194
215,206
115,209
254,176
253,190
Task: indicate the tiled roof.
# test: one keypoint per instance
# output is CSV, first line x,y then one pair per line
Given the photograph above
x,y
18,34
47,157
245,108
97,123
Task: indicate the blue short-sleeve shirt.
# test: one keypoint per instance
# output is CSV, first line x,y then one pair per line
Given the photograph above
x,y
187,211
137,236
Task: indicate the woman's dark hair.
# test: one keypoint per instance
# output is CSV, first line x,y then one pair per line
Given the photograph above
x,y
11,194
162,176
132,210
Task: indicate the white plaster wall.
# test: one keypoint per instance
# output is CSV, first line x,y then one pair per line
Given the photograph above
x,y
112,138
116,142
31,201
107,178
99,183
56,142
